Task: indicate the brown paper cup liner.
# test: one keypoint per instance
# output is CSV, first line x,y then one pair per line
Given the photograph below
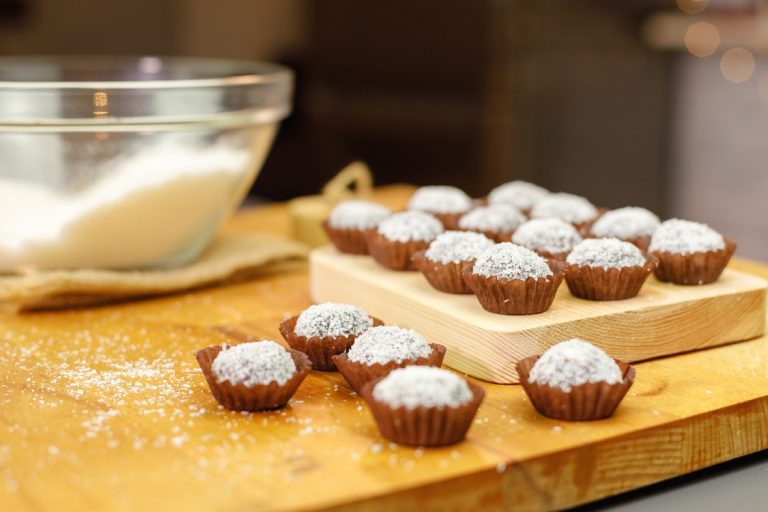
x,y
390,254
449,220
423,426
496,236
696,268
514,296
358,374
319,350
260,397
445,277
590,401
348,241
595,283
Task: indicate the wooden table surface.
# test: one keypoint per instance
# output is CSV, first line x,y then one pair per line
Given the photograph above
x,y
105,409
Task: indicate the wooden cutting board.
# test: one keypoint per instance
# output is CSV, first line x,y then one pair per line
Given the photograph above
x,y
663,319
105,409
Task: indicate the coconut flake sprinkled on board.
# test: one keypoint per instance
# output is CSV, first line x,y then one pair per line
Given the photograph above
x,y
568,207
358,214
331,319
625,223
510,261
520,194
606,253
573,363
495,218
411,226
422,386
380,345
256,362
457,246
554,236
440,199
684,236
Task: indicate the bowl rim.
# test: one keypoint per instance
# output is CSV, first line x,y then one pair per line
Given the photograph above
x,y
244,72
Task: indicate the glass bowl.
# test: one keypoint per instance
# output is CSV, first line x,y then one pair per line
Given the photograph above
x,y
128,163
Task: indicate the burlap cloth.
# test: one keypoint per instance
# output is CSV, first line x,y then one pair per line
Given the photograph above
x,y
231,257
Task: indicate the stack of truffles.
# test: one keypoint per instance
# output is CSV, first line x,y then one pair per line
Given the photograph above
x,y
513,248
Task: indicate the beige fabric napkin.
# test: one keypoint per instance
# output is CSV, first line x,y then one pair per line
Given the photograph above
x,y
231,257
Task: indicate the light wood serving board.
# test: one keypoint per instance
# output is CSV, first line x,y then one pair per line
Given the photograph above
x,y
663,319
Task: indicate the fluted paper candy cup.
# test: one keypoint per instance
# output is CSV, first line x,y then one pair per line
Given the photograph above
x,y
391,254
259,397
597,283
693,268
513,296
590,401
348,241
445,277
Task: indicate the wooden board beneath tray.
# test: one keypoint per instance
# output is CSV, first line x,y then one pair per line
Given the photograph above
x,y
664,319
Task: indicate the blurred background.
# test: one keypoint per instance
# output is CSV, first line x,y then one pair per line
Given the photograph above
x,y
660,104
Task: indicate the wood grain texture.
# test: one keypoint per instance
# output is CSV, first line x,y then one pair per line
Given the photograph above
x,y
104,409
663,319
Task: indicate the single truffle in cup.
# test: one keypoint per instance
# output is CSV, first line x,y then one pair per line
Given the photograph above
x,y
349,221
324,330
550,238
520,194
496,221
568,207
423,406
575,381
446,203
689,252
380,350
253,376
631,224
511,280
399,236
446,257
606,269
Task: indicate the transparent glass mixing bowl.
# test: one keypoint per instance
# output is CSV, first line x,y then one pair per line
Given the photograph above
x,y
128,162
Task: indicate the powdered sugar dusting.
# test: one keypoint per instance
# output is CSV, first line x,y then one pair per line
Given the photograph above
x,y
257,362
510,261
411,226
606,253
573,363
495,218
625,223
422,386
520,194
685,237
380,345
553,236
358,214
331,319
568,207
440,199
457,246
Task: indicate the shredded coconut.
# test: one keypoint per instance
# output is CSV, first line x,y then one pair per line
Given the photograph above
x,y
422,386
357,214
568,207
495,218
331,319
553,236
520,194
684,236
626,223
380,345
573,363
457,246
606,253
510,261
440,199
256,362
411,225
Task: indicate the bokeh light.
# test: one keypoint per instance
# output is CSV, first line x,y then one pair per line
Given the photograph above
x,y
692,6
702,39
737,65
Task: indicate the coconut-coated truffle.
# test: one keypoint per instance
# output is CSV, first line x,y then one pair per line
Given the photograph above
x,y
332,319
606,253
380,345
685,237
573,363
422,386
457,246
411,226
358,214
255,362
520,194
553,236
568,207
440,199
511,261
